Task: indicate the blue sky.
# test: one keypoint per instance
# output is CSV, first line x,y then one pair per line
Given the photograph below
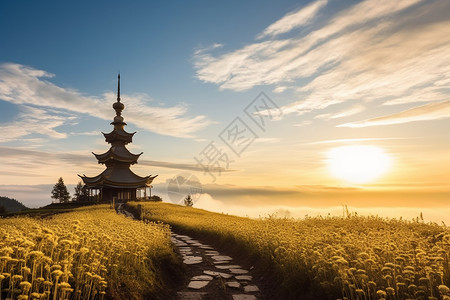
x,y
340,74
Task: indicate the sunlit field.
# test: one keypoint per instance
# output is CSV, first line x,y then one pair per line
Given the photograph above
x,y
329,258
91,253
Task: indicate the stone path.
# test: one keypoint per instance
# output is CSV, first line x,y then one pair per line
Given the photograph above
x,y
212,275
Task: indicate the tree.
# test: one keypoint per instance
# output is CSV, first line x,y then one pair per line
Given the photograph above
x,y
188,201
81,193
60,192
2,210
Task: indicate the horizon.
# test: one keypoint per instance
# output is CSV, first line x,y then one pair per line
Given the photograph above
x,y
305,106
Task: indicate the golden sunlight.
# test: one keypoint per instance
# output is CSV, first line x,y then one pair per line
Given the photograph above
x,y
358,163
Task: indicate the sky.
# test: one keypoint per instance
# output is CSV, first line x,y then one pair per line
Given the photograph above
x,y
291,108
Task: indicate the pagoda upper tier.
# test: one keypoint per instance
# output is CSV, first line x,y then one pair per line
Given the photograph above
x,y
118,138
118,153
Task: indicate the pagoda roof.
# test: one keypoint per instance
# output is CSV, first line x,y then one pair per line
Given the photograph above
x,y
118,177
118,136
118,153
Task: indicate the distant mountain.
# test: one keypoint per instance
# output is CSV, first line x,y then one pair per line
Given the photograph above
x,y
11,205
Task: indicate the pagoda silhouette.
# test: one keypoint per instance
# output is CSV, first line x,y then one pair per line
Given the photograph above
x,y
117,182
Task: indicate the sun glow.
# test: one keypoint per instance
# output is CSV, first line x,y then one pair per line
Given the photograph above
x,y
358,164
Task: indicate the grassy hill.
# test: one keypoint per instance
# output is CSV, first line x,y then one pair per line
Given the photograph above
x,y
326,258
88,253
11,205
93,252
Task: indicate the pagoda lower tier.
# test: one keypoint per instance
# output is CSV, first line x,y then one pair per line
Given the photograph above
x,y
118,181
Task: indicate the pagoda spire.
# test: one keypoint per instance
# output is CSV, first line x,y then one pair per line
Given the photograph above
x,y
118,87
118,135
118,107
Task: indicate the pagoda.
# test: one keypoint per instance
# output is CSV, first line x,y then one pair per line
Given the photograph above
x,y
117,182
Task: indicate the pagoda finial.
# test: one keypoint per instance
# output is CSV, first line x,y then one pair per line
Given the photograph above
x,y
118,106
118,87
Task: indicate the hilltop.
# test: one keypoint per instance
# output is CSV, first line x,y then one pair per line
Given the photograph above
x,y
11,205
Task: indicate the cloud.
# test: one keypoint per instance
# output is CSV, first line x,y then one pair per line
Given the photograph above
x,y
283,60
303,123
85,160
30,88
431,214
355,109
33,120
293,20
280,89
267,140
183,166
389,52
318,197
355,140
431,111
87,133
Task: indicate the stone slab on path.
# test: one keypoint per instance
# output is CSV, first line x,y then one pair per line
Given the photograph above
x,y
238,271
202,277
233,284
179,236
217,274
206,247
244,277
227,267
222,257
198,284
180,244
251,288
191,260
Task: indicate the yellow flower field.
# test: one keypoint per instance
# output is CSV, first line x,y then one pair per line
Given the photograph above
x,y
329,258
90,253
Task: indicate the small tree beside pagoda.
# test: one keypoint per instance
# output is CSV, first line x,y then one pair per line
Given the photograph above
x,y
81,193
60,192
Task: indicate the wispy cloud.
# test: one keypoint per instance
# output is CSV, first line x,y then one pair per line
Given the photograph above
x,y
44,101
293,20
33,120
323,196
356,140
343,113
88,133
85,160
267,140
389,52
183,166
303,123
431,111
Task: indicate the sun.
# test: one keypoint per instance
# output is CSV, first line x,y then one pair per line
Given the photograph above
x,y
358,163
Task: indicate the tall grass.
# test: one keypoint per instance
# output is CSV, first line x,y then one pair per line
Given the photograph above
x,y
352,258
90,253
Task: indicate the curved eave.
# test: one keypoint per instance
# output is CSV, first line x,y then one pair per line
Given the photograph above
x,y
111,155
118,135
103,181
